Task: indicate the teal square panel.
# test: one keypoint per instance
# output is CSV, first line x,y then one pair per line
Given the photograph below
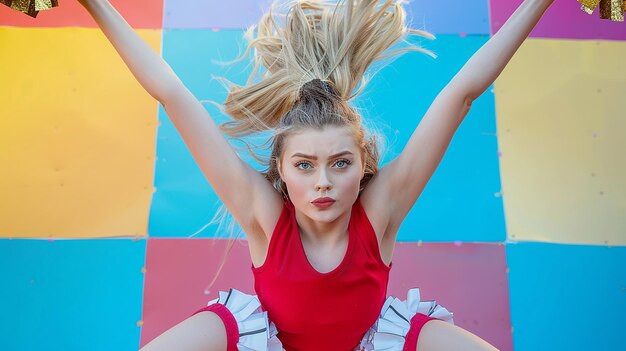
x,y
461,202
71,294
567,297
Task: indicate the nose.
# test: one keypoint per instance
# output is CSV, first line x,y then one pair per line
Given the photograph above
x,y
323,182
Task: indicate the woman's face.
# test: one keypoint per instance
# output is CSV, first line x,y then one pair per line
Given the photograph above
x,y
322,163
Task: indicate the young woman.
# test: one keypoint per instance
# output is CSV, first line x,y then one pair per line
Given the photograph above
x,y
321,222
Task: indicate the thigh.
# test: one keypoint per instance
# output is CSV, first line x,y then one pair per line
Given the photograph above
x,y
203,331
438,335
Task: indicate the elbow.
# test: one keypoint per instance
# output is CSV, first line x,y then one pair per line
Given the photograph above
x,y
473,94
174,95
467,102
465,108
159,95
170,91
464,94
475,90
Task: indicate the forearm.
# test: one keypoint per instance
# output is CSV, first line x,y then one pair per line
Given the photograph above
x,y
489,61
150,70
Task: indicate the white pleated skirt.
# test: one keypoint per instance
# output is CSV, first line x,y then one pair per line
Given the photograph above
x,y
258,333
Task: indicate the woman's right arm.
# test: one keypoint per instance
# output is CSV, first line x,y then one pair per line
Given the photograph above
x,y
243,190
150,70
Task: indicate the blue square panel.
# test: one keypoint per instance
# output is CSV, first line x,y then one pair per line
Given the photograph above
x,y
71,294
461,202
567,297
184,201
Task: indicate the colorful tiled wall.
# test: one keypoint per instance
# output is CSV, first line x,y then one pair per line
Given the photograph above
x,y
521,232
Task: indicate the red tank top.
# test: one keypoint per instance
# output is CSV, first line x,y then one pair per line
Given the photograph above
x,y
322,311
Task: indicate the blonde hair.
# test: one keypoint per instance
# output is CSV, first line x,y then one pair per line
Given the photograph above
x,y
314,56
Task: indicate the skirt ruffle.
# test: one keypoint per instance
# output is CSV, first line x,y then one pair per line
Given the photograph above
x,y
390,330
256,332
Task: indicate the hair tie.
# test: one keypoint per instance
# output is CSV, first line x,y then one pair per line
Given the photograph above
x,y
326,86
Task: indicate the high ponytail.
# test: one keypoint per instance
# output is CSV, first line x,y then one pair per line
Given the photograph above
x,y
301,40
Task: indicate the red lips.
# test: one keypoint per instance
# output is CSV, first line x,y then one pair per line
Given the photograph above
x,y
322,200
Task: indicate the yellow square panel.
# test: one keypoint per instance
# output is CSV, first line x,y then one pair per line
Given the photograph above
x,y
77,136
561,117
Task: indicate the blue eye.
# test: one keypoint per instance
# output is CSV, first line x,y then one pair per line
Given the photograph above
x,y
303,163
343,163
347,162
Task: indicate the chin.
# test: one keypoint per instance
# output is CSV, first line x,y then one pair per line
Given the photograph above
x,y
326,215
323,218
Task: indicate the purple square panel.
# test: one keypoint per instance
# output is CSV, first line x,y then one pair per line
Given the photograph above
x,y
214,14
564,20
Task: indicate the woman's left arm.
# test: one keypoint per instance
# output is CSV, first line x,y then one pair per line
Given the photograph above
x,y
404,178
486,64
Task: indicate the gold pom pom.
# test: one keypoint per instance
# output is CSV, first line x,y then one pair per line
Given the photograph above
x,y
609,9
30,7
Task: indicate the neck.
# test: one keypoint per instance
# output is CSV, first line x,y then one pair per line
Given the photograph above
x,y
323,233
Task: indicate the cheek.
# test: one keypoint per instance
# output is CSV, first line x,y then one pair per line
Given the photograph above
x,y
356,180
349,180
294,182
295,185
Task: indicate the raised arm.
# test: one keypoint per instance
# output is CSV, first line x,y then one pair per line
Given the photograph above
x,y
150,70
403,179
486,64
239,186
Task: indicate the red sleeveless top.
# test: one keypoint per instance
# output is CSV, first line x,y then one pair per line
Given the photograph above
x,y
322,311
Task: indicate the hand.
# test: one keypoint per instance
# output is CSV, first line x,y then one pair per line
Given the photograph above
x,y
84,3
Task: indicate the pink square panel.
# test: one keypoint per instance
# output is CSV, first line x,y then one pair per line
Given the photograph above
x,y
178,272
468,279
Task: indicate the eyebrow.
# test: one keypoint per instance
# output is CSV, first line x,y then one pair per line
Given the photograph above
x,y
346,152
